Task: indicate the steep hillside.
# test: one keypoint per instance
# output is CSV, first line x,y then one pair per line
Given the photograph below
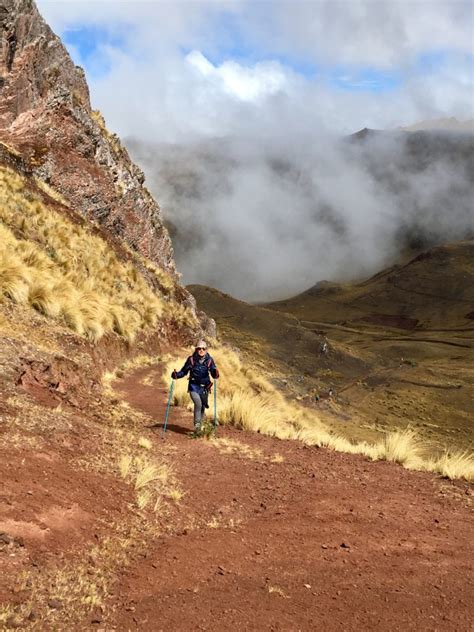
x,y
85,263
47,123
433,290
47,117
393,351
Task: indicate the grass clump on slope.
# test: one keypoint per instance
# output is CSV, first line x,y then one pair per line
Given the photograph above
x,y
249,401
65,272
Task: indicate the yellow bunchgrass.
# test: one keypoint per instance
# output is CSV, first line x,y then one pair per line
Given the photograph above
x,y
402,447
145,443
453,465
125,464
151,480
250,402
66,272
176,494
147,474
144,498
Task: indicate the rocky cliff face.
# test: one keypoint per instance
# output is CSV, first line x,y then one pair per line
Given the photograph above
x,y
46,118
45,114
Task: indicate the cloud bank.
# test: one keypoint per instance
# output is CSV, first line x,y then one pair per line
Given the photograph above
x,y
266,221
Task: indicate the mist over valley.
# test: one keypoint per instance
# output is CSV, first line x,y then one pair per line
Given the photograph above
x,y
266,218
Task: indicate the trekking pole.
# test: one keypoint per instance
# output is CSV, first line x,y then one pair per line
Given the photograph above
x,y
215,405
168,407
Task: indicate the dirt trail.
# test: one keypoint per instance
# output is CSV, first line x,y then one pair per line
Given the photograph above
x,y
278,536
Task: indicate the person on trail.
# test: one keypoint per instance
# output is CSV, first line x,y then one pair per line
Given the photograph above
x,y
200,367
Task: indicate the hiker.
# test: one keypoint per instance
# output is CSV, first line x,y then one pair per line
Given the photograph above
x,y
199,366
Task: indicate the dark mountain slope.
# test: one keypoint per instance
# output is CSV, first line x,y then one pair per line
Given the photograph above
x,y
399,346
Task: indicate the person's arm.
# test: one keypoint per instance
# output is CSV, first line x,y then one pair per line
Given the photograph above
x,y
184,371
214,370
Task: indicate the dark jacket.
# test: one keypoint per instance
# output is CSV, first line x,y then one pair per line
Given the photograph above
x,y
199,372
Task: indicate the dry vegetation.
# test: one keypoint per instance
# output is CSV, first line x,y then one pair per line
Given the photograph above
x,y
67,273
249,401
152,480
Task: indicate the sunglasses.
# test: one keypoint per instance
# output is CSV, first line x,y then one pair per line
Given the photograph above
x,y
200,348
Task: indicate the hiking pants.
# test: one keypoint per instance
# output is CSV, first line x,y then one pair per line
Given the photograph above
x,y
199,408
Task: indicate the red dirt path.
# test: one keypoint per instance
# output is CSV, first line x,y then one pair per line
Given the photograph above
x,y
320,541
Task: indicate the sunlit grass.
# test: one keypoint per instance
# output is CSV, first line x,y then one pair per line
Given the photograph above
x,y
146,475
277,590
152,480
67,271
125,464
176,494
402,447
454,465
145,443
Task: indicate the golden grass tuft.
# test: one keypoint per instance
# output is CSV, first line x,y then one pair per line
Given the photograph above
x,y
151,480
66,272
176,494
144,498
277,590
125,464
145,443
148,473
402,447
453,465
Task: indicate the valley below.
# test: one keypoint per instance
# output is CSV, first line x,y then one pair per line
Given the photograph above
x,y
391,352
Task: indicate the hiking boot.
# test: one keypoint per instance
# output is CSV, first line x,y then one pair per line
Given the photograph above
x,y
197,432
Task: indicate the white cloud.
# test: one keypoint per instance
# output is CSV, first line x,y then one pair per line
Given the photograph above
x,y
384,33
251,84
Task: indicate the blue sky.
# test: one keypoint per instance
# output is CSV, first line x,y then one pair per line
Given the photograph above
x,y
89,45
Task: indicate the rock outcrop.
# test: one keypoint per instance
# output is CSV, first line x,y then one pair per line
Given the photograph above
x,y
46,118
45,114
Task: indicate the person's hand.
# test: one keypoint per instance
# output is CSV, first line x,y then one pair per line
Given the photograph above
x,y
174,375
216,374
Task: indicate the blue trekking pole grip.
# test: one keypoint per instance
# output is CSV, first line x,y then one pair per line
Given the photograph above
x,y
215,405
168,407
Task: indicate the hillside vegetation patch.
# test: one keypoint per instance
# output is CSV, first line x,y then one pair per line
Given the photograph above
x,y
65,272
